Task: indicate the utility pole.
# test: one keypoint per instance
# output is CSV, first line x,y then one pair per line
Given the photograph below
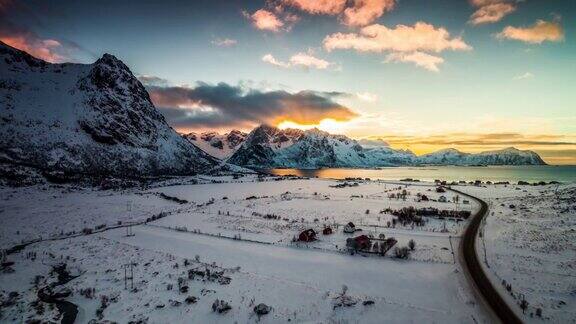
x,y
452,248
484,242
129,231
129,275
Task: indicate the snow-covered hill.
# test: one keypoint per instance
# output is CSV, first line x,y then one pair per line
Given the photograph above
x,y
219,146
445,156
268,146
86,118
507,156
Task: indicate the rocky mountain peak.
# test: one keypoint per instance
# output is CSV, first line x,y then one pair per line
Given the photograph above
x,y
87,118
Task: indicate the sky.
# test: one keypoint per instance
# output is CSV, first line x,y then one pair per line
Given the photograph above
x,y
474,75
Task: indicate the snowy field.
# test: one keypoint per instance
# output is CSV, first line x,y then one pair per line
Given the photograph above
x,y
530,243
302,282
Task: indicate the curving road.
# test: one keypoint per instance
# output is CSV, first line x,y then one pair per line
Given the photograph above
x,y
474,268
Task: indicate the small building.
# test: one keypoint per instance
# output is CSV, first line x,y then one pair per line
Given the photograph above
x,y
363,242
357,243
442,199
308,235
350,228
440,189
327,231
424,198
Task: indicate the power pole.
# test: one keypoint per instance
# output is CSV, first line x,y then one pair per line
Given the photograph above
x,y
129,231
452,249
129,275
484,242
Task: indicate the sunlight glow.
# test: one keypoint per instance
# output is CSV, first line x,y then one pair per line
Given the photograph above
x,y
328,125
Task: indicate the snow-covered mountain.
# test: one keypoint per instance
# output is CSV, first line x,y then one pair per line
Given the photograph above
x,y
219,146
445,156
507,156
86,118
268,146
261,145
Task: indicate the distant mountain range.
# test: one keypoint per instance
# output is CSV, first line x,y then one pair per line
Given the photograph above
x,y
268,146
86,118
98,119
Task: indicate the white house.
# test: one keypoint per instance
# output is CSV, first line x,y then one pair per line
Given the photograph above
x,y
349,228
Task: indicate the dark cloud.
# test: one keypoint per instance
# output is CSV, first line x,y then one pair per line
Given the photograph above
x,y
223,105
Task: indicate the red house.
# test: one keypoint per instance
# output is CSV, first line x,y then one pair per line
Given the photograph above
x,y
362,242
308,235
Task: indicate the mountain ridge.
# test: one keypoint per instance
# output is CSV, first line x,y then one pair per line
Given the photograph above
x,y
86,118
316,149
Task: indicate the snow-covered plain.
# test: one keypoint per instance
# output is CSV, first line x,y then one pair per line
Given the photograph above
x,y
302,282
529,241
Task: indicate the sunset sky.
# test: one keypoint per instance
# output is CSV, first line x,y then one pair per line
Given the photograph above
x,y
470,74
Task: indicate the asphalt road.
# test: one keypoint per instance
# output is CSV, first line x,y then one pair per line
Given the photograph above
x,y
475,271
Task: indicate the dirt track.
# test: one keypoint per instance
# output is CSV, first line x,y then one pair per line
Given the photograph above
x,y
472,265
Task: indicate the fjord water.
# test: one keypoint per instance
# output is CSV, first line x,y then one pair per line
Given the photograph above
x,y
532,173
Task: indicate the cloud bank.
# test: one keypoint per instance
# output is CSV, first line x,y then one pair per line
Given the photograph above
x,y
223,105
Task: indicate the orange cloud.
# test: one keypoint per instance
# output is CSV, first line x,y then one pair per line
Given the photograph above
x,y
378,38
406,43
323,7
424,60
491,13
265,20
553,148
536,34
26,40
365,12
355,13
45,49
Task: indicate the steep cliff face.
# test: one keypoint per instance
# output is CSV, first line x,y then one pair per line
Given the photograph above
x,y
86,118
